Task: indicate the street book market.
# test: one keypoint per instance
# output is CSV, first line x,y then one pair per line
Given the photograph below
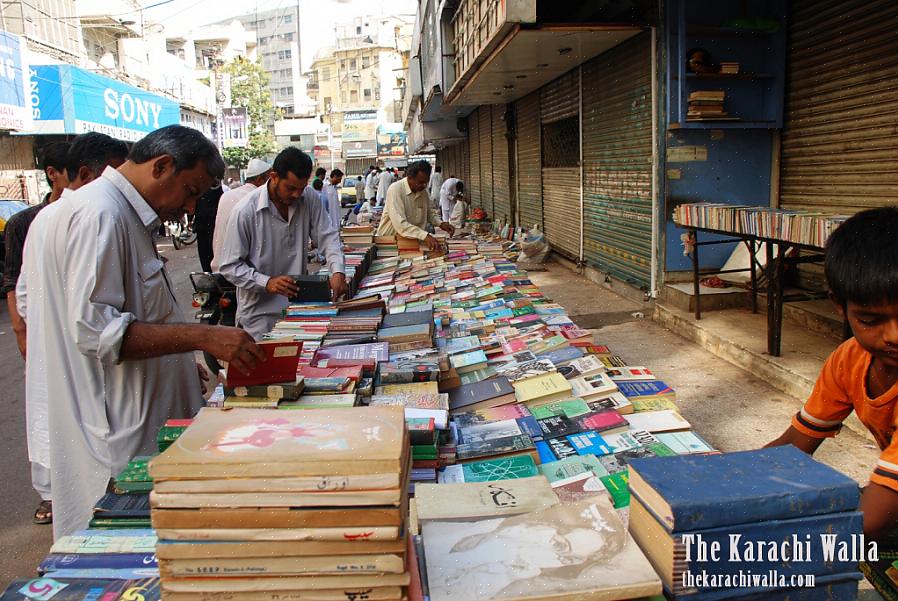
x,y
449,433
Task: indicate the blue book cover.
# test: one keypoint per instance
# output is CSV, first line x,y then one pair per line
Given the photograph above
x,y
105,573
589,443
76,589
705,491
545,452
79,561
562,355
494,304
643,388
529,426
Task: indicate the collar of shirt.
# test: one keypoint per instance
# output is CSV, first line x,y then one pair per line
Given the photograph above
x,y
407,190
145,212
264,202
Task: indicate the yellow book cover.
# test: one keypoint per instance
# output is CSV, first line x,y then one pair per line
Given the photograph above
x,y
544,388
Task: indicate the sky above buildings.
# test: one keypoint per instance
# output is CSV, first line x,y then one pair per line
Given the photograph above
x,y
317,17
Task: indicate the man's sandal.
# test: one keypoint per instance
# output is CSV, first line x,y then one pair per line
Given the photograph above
x,y
44,513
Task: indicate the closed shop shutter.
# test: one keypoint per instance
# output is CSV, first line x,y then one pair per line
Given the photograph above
x,y
474,161
501,192
529,172
617,161
561,212
485,119
465,163
839,148
559,152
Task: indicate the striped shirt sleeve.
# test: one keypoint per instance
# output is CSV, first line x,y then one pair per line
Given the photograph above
x,y
829,403
886,471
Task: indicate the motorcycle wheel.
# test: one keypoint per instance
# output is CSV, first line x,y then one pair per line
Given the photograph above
x,y
176,240
188,237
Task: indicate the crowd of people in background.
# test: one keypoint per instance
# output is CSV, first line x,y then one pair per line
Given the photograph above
x,y
86,284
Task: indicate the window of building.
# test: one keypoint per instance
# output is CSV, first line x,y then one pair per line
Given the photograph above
x,y
366,62
343,97
288,91
352,64
561,143
367,94
377,93
328,103
353,96
288,18
285,54
325,73
358,30
287,37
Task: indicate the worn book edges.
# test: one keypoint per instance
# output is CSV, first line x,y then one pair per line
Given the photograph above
x,y
689,492
281,359
477,500
261,443
575,551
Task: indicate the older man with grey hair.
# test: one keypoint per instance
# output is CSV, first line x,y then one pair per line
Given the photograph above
x,y
102,312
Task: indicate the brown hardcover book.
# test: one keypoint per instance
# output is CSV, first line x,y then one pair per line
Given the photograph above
x,y
187,550
257,443
277,517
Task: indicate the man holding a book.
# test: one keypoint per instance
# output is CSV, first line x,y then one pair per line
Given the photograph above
x,y
407,210
265,245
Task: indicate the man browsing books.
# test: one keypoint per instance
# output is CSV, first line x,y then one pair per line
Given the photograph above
x,y
407,210
102,311
861,375
265,245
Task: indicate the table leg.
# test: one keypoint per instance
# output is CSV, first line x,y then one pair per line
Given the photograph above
x,y
695,279
770,294
778,307
754,276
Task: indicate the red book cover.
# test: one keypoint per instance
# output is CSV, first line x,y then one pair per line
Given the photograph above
x,y
353,372
282,358
415,588
602,420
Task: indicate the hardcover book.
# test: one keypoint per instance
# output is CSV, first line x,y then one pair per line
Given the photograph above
x,y
477,500
261,443
281,359
488,393
489,470
558,553
690,492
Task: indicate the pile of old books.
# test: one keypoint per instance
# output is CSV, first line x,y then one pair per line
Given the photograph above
x,y
751,524
304,504
707,105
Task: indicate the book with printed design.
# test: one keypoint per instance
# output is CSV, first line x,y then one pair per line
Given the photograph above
x,y
630,374
596,386
477,500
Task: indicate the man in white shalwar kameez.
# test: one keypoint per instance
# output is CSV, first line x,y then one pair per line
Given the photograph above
x,y
118,354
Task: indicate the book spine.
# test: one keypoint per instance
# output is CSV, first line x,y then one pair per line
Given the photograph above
x,y
81,561
282,566
710,513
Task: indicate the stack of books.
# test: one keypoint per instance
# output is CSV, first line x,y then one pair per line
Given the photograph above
x,y
357,235
707,105
272,381
91,556
729,67
386,246
801,227
295,503
741,504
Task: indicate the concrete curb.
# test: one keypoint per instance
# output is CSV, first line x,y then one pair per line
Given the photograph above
x,y
796,385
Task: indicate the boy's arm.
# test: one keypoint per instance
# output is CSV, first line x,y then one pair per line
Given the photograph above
x,y
792,436
880,507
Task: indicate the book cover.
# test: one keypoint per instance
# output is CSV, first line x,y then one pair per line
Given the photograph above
x,y
747,486
478,500
496,391
650,388
489,470
526,422
631,439
265,443
589,443
83,561
579,488
321,401
615,401
491,438
478,375
351,354
657,421
284,390
231,567
561,448
462,344
112,505
596,385
408,372
630,374
561,469
402,334
558,552
281,359
569,408
587,365
652,404
136,540
542,389
469,361
81,589
554,426
617,487
409,318
685,443
602,421
523,371
562,356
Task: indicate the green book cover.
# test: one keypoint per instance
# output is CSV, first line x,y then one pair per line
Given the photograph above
x,y
570,408
167,435
617,486
429,451
478,375
521,311
572,466
506,468
135,471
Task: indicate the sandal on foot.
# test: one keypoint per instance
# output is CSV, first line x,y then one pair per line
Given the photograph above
x,y
44,513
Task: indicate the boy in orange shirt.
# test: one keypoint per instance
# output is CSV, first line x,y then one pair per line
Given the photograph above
x,y
861,375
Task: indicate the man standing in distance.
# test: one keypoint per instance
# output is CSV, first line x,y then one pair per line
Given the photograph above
x,y
370,186
256,175
433,188
266,240
383,184
407,211
108,321
330,198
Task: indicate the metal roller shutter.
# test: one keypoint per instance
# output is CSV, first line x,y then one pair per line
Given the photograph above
x,y
464,169
562,217
561,198
839,149
530,206
484,117
474,161
560,98
617,161
501,192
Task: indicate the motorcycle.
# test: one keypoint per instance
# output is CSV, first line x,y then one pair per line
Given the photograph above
x,y
182,232
215,299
